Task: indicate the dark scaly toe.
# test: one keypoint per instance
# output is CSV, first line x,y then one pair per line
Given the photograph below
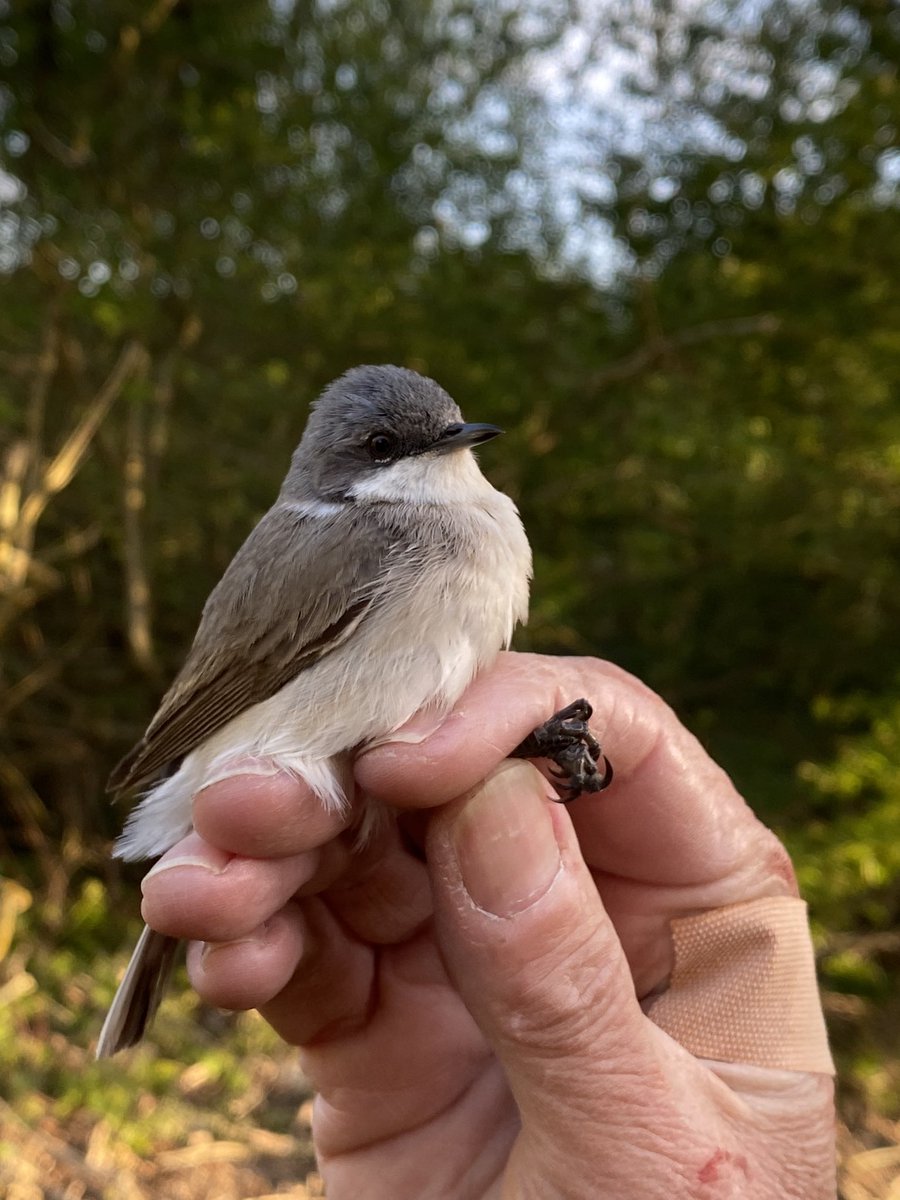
x,y
562,729
566,741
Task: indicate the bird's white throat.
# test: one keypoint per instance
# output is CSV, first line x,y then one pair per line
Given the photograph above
x,y
432,478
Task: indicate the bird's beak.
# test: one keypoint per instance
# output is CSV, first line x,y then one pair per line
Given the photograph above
x,y
459,437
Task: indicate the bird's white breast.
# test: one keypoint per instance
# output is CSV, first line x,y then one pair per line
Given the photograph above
x,y
445,606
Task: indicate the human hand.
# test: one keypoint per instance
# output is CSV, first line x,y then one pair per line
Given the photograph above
x,y
473,1027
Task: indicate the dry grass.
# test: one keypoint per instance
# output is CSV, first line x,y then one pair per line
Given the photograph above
x,y
82,1157
870,1172
214,1109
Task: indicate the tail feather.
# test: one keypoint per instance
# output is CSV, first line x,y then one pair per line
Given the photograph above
x,y
140,992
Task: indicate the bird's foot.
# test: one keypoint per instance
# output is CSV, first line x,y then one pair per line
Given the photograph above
x,y
568,742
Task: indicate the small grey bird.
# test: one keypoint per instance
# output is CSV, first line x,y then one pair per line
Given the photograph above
x,y
386,575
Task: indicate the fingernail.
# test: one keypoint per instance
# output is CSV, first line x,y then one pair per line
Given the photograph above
x,y
258,938
505,843
208,858
414,731
234,768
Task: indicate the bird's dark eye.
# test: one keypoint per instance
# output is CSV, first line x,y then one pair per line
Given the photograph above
x,y
381,446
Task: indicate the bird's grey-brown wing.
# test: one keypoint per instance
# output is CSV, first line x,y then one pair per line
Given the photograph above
x,y
293,593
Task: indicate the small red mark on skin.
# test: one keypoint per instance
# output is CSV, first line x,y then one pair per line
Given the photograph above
x,y
709,1172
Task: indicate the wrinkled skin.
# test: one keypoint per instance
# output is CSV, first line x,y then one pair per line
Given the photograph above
x,y
471,1027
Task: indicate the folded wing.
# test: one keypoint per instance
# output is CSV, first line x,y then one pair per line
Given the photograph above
x,y
292,594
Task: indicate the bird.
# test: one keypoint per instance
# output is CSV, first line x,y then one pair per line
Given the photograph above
x,y
387,574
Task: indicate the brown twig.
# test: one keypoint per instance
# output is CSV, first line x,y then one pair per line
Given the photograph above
x,y
98,1178
137,584
60,471
659,345
44,373
22,503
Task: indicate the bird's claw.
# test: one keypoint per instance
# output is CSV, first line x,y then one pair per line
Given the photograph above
x,y
568,743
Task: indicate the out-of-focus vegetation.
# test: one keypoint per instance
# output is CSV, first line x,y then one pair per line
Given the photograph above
x,y
659,244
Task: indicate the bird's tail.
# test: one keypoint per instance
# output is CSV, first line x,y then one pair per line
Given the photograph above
x,y
139,993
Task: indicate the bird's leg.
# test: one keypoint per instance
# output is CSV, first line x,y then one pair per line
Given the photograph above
x,y
568,742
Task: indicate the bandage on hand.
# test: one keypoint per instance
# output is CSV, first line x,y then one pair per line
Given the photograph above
x,y
743,988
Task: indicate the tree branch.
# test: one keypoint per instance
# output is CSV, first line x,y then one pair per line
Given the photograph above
x,y
21,506
61,470
137,585
660,345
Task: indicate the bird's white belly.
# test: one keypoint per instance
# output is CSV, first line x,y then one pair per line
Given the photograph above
x,y
449,626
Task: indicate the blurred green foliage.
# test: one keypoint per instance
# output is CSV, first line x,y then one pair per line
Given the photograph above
x,y
208,211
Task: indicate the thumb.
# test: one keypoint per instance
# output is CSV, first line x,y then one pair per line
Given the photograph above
x,y
536,959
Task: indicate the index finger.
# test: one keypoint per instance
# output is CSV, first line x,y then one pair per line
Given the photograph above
x,y
265,816
671,816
